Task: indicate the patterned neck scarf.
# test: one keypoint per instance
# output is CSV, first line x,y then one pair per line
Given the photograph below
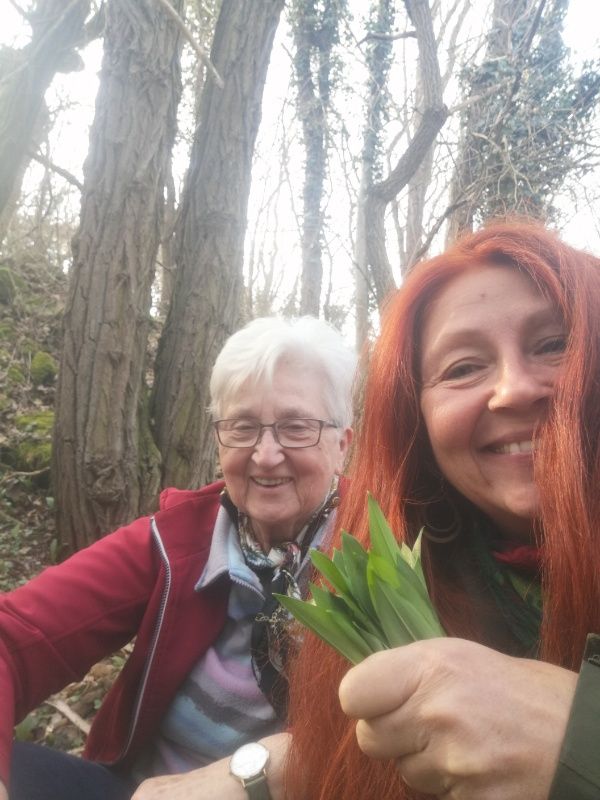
x,y
284,570
282,553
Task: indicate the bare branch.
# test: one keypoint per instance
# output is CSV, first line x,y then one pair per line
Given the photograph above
x,y
68,712
434,229
18,8
387,37
94,27
491,90
64,173
19,474
432,120
197,48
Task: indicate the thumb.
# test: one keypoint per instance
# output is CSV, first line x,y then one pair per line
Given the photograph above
x,y
384,681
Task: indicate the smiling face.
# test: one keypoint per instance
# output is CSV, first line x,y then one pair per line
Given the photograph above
x,y
491,351
279,488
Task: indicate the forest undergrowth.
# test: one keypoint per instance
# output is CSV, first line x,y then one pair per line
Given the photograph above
x,y
32,297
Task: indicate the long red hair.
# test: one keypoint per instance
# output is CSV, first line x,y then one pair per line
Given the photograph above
x,y
392,461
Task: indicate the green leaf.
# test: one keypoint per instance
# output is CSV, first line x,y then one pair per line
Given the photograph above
x,y
417,565
330,571
384,570
324,599
338,560
331,627
395,631
403,594
383,541
412,583
378,599
355,562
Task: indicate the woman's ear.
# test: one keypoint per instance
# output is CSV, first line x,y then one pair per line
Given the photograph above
x,y
344,445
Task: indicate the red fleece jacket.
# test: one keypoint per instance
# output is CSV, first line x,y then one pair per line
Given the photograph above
x,y
136,582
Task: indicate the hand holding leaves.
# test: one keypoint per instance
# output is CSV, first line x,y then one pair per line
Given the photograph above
x,y
379,598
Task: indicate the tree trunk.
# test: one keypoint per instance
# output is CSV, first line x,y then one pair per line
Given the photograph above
x,y
469,178
417,240
379,56
104,460
56,29
207,297
433,117
315,34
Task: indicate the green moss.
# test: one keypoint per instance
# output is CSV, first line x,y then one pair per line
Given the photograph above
x,y
29,347
43,369
15,376
34,451
7,329
8,290
32,455
39,422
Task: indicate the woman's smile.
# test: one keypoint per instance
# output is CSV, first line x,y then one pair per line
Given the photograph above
x,y
514,448
270,483
491,351
279,488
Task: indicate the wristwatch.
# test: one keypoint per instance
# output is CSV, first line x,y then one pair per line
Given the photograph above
x,y
248,765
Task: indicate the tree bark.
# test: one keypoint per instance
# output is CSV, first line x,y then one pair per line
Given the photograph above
x,y
378,62
57,27
207,296
469,178
104,460
433,118
315,34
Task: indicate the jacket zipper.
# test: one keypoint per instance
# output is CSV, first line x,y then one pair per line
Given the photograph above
x,y
157,631
155,637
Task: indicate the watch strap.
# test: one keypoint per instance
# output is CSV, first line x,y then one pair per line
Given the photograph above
x,y
257,788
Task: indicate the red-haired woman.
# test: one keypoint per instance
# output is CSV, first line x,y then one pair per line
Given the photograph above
x,y
482,424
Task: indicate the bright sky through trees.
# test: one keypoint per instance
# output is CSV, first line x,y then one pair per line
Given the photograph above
x,y
279,224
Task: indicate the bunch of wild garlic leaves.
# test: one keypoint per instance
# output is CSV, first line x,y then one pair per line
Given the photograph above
x,y
379,598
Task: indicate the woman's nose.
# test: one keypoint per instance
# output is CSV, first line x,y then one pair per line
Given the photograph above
x,y
521,385
267,450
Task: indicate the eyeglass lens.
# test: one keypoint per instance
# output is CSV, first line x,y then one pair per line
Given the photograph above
x,y
288,432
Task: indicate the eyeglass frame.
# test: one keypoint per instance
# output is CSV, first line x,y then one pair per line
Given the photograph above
x,y
273,425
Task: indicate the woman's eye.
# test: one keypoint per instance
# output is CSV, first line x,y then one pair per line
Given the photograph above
x,y
243,426
555,344
294,428
461,370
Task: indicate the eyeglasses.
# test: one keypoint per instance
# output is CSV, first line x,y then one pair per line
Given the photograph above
x,y
292,432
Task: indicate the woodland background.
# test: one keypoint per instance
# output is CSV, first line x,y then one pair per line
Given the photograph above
x,y
244,157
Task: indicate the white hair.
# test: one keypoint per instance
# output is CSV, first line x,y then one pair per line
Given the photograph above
x,y
253,353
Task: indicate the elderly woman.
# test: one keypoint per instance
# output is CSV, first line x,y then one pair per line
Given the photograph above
x,y
193,584
481,423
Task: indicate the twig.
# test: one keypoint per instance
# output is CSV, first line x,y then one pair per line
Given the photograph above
x,y
18,8
68,712
476,98
68,176
17,474
6,517
198,49
388,37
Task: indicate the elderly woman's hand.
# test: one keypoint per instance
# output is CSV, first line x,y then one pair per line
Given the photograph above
x,y
461,720
214,781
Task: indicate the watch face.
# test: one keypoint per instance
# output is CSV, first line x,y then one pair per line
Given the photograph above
x,y
249,761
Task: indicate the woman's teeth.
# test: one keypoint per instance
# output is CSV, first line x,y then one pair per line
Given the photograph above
x,y
514,448
270,481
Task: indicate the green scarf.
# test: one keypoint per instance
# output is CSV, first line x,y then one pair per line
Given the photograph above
x,y
518,598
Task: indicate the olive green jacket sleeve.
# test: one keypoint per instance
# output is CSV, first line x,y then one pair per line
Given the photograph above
x,y
578,774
